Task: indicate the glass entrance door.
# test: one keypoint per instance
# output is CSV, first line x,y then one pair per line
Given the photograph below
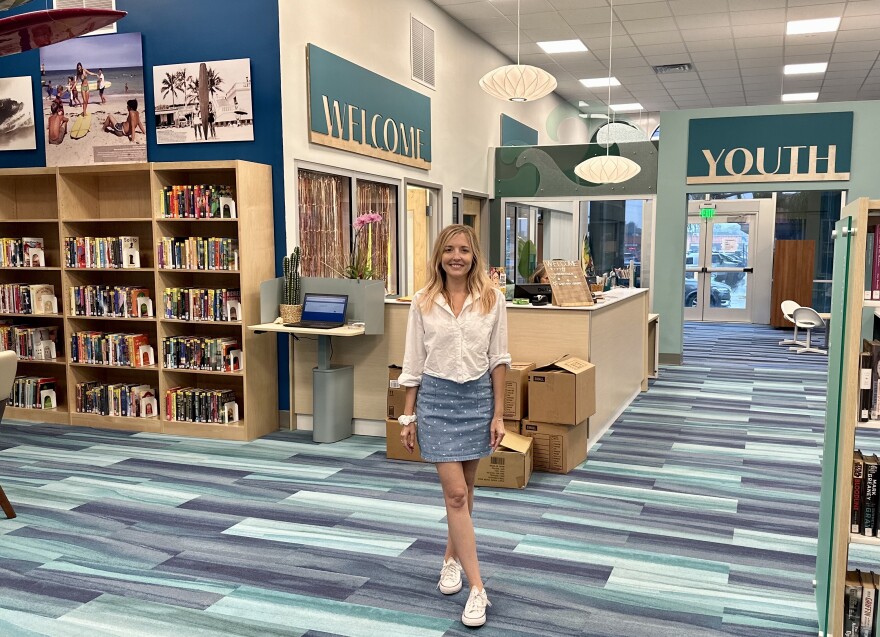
x,y
719,264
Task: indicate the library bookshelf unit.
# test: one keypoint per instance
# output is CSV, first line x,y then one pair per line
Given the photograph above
x,y
126,200
842,413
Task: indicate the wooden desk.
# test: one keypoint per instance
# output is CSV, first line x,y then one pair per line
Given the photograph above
x,y
335,393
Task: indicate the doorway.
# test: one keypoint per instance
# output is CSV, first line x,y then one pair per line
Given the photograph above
x,y
720,263
422,209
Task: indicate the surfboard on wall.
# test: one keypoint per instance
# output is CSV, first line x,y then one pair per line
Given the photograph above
x,y
35,29
203,98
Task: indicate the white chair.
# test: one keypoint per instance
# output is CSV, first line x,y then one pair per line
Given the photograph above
x,y
788,308
8,365
806,318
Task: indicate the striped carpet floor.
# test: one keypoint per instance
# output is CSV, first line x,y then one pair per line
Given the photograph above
x,y
696,515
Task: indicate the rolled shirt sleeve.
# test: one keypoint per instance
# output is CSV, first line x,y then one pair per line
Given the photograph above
x,y
414,352
498,352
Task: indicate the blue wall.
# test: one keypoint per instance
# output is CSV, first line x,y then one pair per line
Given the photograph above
x,y
193,31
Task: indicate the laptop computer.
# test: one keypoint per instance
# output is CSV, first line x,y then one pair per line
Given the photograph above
x,y
322,311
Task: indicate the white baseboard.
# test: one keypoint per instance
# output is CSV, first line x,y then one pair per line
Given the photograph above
x,y
362,427
594,436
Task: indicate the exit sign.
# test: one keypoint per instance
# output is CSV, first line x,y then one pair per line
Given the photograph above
x,y
707,210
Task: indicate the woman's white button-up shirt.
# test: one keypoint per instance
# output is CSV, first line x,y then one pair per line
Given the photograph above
x,y
458,349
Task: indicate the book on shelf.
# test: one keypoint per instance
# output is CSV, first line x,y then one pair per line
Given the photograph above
x,y
869,599
43,299
852,615
131,257
197,201
32,252
28,392
858,476
869,497
864,386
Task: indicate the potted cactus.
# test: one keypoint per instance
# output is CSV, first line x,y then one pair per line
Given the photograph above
x,y
291,308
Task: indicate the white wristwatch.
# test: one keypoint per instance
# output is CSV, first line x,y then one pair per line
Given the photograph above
x,y
406,420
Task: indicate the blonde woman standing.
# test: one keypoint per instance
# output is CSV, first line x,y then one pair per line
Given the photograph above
x,y
454,368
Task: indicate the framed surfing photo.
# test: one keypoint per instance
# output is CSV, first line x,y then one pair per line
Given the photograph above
x,y
203,102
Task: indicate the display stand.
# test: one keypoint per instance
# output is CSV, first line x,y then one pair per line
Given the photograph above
x,y
332,385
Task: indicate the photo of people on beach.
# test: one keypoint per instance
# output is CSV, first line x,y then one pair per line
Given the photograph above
x,y
201,102
17,130
93,100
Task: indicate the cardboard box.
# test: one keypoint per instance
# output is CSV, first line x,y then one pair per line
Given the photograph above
x,y
516,390
396,402
512,426
394,449
557,448
563,392
396,393
510,467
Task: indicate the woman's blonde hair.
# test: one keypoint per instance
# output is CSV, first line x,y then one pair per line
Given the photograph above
x,y
478,282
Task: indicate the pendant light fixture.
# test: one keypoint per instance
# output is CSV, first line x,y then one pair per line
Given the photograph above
x,y
518,82
608,168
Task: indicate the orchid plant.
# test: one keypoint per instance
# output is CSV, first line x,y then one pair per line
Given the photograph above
x,y
360,264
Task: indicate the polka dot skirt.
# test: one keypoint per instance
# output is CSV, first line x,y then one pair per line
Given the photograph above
x,y
454,418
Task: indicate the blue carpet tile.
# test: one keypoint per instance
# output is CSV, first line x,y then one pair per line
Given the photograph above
x,y
695,515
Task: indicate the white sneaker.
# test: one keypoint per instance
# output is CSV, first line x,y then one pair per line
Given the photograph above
x,y
475,610
450,577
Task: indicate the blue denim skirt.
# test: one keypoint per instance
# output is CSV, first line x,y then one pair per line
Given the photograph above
x,y
454,418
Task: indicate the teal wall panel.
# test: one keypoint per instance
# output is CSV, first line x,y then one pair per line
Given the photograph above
x,y
672,191
514,133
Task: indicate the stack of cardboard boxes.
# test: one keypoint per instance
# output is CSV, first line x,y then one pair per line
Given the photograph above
x,y
562,397
558,399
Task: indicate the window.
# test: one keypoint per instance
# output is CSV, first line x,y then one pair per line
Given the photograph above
x,y
380,239
324,222
613,233
90,4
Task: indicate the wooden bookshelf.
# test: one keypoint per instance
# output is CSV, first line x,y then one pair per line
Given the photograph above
x,y
842,415
92,201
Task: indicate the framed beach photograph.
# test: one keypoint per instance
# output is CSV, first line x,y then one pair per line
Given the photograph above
x,y
93,101
17,128
201,102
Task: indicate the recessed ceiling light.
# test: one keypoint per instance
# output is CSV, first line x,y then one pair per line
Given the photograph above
x,y
800,97
801,69
592,116
563,46
582,104
821,25
598,82
623,108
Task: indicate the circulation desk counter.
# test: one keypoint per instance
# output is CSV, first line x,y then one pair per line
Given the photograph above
x,y
613,335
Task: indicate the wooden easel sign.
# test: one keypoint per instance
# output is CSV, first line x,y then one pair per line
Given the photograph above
x,y
569,284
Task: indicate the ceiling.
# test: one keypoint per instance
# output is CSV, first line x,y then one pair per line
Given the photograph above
x,y
737,48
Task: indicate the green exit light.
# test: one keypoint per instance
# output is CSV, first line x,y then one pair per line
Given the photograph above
x,y
707,213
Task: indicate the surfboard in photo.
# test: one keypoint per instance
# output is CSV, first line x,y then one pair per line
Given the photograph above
x,y
81,126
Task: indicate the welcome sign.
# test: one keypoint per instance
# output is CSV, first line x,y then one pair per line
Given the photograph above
x,y
802,147
354,109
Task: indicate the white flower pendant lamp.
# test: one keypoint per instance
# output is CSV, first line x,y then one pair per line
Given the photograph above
x,y
608,168
518,82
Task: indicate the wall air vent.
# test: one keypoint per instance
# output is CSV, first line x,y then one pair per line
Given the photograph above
x,y
89,4
684,67
422,53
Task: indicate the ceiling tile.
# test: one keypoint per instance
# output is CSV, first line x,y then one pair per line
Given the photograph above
x,y
689,7
508,7
860,22
775,30
854,47
854,56
720,65
587,16
748,43
762,63
527,48
445,3
868,7
710,56
618,42
765,16
712,33
621,53
821,51
642,11
824,10
674,48
856,35
711,45
770,51
473,11
649,26
659,37
702,21
600,30
489,25
543,20
566,5
657,60
554,33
